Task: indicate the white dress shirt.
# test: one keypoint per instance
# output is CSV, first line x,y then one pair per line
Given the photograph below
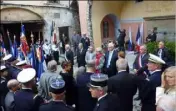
x,y
109,58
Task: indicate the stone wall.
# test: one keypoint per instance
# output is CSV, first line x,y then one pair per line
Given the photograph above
x,y
62,16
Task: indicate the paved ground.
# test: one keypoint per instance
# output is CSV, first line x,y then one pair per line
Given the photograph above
x,y
130,56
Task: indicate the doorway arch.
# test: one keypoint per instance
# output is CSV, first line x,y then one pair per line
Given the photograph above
x,y
109,27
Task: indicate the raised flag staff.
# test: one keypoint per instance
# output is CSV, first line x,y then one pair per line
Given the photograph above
x,y
24,46
10,43
15,48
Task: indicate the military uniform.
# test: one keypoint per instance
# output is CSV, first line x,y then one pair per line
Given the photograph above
x,y
55,106
57,87
3,88
107,102
25,99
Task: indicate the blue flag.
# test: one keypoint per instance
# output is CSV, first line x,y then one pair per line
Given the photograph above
x,y
15,49
33,59
11,46
40,56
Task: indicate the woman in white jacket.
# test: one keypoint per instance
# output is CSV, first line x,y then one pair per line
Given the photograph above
x,y
168,88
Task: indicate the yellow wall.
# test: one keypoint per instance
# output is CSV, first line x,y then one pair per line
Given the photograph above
x,y
128,10
132,10
99,10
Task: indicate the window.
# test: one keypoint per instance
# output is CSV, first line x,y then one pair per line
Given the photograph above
x,y
105,29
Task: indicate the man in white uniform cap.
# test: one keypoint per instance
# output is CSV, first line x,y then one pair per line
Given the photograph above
x,y
25,99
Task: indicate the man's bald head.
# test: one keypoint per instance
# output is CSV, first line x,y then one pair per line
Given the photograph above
x,y
13,84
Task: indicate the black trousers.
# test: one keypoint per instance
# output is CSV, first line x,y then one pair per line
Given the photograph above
x,y
56,56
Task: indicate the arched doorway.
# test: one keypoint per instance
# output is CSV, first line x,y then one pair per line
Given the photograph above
x,y
11,19
109,27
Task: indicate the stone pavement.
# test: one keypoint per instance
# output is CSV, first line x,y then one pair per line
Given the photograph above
x,y
130,56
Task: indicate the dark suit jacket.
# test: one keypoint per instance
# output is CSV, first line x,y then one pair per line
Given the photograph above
x,y
85,101
165,54
24,100
125,85
86,42
155,79
81,58
3,90
108,103
69,55
112,68
70,88
121,39
55,106
144,61
153,37
9,101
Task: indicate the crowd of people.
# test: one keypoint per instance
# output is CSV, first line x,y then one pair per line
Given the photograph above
x,y
103,81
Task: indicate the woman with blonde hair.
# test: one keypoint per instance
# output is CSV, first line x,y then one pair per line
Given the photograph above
x,y
168,86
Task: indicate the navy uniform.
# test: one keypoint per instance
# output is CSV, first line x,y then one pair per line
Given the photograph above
x,y
57,87
3,88
155,81
25,99
106,102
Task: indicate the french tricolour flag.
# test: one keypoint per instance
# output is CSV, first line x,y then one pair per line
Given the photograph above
x,y
139,36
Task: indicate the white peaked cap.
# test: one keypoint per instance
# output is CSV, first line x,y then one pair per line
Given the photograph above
x,y
156,59
26,75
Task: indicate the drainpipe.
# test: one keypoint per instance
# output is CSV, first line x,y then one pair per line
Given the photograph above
x,y
89,20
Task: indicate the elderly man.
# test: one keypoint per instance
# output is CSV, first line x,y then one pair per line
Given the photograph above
x,y
25,99
85,41
90,54
57,91
75,42
43,86
110,60
13,86
81,55
69,56
85,101
162,52
125,85
98,88
141,62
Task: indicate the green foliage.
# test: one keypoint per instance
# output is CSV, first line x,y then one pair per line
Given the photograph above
x,y
151,47
170,45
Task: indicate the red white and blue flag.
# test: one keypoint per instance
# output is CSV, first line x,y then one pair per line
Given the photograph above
x,y
24,45
139,36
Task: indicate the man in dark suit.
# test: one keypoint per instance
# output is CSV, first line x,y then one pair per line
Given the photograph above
x,y
121,39
25,99
154,35
110,60
141,62
57,90
125,85
69,57
85,41
81,55
85,102
162,52
13,86
98,89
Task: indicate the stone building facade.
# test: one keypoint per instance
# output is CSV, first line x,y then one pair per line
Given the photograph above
x,y
32,13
